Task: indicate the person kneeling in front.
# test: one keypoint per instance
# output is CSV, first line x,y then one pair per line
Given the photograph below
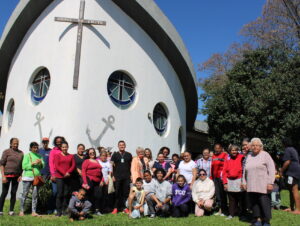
x,y
159,198
78,206
203,192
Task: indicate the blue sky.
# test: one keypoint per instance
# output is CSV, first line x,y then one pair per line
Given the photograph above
x,y
206,26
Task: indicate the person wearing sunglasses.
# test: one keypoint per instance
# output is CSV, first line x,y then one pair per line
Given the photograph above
x,y
93,180
203,191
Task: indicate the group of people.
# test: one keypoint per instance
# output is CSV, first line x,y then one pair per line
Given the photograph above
x,y
98,181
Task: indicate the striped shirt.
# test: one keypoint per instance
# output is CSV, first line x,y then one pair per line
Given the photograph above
x,y
204,164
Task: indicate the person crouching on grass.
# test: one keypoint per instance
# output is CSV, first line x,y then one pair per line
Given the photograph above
x,y
181,195
78,206
136,199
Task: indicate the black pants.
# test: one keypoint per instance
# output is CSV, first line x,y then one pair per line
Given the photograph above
x,y
76,182
245,204
94,194
5,187
235,201
180,211
63,194
261,206
104,199
122,188
163,212
221,196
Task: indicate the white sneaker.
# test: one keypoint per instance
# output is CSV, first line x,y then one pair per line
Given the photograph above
x,y
217,214
222,215
11,213
228,218
1,213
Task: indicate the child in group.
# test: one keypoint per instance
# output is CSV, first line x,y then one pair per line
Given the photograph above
x,y
136,199
78,206
181,195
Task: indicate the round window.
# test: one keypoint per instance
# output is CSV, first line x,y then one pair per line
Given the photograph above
x,y
160,119
121,89
40,86
10,113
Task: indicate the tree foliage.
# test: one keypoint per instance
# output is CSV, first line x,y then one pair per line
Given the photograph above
x,y
261,98
279,24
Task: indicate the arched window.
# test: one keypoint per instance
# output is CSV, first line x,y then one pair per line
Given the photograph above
x,y
10,113
40,86
121,89
160,119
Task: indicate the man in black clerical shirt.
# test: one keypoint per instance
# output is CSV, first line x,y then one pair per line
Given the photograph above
x,y
121,162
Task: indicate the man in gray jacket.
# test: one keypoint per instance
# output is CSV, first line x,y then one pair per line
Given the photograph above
x,y
159,197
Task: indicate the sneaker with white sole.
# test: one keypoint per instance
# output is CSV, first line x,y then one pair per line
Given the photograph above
x,y
229,217
1,213
11,213
152,216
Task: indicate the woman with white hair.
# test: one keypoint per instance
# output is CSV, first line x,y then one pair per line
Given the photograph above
x,y
259,176
139,164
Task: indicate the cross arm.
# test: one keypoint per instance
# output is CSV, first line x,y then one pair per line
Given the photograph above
x,y
94,22
65,19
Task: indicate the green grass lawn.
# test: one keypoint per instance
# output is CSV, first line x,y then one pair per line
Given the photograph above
x,y
280,218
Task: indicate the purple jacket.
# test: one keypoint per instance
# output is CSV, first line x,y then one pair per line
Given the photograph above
x,y
181,195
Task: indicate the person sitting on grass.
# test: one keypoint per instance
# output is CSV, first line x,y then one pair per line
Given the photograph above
x,y
181,196
160,196
78,206
203,192
136,199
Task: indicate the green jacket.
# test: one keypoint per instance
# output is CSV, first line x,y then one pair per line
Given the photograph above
x,y
27,167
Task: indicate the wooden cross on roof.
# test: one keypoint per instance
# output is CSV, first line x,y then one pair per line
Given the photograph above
x,y
81,21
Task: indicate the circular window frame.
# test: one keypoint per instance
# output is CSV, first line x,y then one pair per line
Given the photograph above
x,y
9,122
164,132
37,100
132,99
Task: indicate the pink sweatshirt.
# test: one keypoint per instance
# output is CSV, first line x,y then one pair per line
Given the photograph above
x,y
52,155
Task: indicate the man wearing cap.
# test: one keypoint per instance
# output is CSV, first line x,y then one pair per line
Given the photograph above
x,y
45,153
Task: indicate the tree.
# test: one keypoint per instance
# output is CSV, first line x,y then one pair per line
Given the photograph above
x,y
279,24
261,98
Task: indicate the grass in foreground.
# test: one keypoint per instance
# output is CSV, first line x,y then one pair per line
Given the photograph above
x,y
280,218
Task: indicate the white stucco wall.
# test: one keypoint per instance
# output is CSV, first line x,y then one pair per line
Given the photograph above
x,y
121,45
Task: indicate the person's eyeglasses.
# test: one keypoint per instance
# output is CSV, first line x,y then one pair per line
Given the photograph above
x,y
202,174
92,153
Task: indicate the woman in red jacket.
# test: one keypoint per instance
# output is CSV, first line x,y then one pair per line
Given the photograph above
x,y
64,164
232,179
93,179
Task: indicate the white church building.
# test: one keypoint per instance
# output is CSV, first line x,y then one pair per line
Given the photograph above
x,y
95,72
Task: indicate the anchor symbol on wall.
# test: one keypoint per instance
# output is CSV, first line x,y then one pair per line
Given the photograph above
x,y
108,125
39,119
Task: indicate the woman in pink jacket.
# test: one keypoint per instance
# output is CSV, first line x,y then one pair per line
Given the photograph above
x,y
139,164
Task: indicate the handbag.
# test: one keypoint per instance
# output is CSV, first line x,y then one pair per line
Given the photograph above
x,y
37,180
111,188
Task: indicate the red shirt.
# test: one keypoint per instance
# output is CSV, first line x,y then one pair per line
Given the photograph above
x,y
63,164
92,170
218,164
233,168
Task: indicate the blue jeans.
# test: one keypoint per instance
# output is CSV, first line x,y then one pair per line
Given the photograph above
x,y
52,199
